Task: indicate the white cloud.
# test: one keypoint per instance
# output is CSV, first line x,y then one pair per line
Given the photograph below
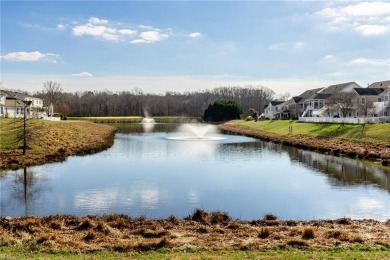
x,y
98,31
149,28
30,56
329,57
369,62
194,35
288,46
61,27
150,37
127,32
82,74
366,18
372,30
106,30
95,20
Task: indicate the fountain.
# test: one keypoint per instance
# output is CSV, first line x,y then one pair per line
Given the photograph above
x,y
148,120
197,132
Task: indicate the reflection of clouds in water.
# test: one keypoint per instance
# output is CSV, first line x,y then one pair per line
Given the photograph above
x,y
145,194
369,204
193,197
96,199
142,194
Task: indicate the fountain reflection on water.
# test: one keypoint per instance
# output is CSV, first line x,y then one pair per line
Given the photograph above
x,y
148,124
197,132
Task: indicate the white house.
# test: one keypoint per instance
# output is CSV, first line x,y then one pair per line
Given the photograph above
x,y
273,109
12,105
382,107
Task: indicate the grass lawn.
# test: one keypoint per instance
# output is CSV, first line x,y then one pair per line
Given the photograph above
x,y
15,252
371,133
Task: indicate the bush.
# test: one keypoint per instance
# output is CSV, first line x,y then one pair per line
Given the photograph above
x,y
249,118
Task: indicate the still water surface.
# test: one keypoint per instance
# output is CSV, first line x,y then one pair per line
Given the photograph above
x,y
146,174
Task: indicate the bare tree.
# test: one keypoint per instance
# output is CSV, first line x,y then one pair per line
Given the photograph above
x,y
53,91
343,102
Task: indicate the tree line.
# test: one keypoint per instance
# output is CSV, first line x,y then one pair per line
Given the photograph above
x,y
135,102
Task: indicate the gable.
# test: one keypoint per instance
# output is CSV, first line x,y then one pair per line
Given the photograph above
x,y
343,87
380,84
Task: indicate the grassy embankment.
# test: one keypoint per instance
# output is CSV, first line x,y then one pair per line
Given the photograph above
x,y
201,235
370,141
50,141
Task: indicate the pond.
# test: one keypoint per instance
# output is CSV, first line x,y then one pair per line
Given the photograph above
x,y
154,172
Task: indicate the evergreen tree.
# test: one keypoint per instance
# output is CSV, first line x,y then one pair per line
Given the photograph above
x,y
222,110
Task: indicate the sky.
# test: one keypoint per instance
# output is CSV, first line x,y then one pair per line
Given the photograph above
x,y
159,46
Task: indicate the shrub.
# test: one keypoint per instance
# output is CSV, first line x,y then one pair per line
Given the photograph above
x,y
270,217
264,232
308,233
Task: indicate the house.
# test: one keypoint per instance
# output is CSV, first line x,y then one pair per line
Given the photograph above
x,y
12,105
272,109
382,106
365,99
320,103
296,105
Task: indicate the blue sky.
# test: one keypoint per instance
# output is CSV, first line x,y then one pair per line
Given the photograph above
x,y
159,46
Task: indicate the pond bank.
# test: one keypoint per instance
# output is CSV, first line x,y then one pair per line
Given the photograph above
x,y
51,141
334,144
199,231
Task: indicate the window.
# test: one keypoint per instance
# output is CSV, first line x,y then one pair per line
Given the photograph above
x,y
363,100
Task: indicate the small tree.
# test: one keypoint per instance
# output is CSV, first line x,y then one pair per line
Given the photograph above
x,y
222,110
25,130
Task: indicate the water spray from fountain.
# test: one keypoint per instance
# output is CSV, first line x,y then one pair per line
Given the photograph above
x,y
147,122
197,132
147,119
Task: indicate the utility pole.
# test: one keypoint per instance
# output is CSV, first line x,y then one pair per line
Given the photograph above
x,y
26,103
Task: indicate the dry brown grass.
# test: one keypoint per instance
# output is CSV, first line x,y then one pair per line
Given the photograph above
x,y
122,233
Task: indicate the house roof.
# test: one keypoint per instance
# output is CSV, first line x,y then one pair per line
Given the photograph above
x,y
380,84
14,103
320,96
369,91
338,87
297,99
17,95
308,93
276,102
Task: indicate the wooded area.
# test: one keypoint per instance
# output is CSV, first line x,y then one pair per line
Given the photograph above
x,y
136,102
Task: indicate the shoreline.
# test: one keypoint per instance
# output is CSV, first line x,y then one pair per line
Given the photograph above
x,y
199,231
327,145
